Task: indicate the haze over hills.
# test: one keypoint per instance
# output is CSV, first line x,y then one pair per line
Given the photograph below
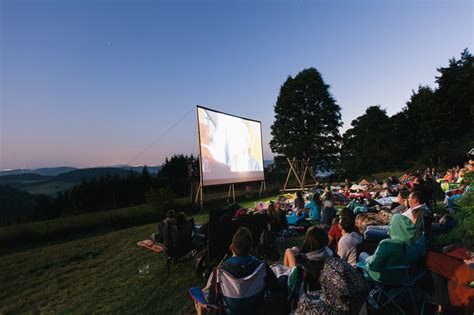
x,y
50,180
49,185
54,171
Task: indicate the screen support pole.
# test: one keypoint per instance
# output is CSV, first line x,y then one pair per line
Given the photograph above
x,y
199,195
263,187
231,191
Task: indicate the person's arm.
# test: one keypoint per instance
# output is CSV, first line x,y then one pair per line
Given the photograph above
x,y
331,235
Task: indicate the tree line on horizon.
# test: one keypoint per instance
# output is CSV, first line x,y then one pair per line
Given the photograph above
x,y
435,128
104,192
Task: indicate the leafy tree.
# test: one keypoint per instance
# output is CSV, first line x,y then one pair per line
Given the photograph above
x,y
366,146
404,139
455,99
307,119
423,113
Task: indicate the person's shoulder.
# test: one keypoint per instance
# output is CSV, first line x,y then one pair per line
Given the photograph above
x,y
345,239
356,236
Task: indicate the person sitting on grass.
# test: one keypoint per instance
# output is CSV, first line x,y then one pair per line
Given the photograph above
x,y
165,229
299,201
347,247
274,217
311,256
241,266
314,207
328,213
335,234
282,215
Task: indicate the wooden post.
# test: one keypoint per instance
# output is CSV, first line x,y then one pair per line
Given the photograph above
x,y
231,193
288,176
263,186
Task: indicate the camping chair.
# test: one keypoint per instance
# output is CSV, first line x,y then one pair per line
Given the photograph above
x,y
234,295
181,246
392,291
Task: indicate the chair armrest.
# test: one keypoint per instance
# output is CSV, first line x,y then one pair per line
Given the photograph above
x,y
393,268
198,296
361,265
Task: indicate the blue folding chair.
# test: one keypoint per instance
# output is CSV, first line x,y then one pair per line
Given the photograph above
x,y
391,291
234,295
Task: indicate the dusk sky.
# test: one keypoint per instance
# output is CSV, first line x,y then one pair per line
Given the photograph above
x,y
90,83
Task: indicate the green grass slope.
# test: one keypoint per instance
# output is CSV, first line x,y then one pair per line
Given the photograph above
x,y
94,275
97,274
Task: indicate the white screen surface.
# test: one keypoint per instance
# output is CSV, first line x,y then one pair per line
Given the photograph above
x,y
231,148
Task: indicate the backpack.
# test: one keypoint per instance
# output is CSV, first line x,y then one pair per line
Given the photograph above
x,y
343,286
343,291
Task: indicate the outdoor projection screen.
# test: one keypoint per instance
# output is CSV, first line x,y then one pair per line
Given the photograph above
x,y
231,148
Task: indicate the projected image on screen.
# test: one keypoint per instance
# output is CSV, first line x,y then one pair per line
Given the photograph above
x,y
231,148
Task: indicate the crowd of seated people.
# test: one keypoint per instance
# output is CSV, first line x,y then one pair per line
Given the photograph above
x,y
397,220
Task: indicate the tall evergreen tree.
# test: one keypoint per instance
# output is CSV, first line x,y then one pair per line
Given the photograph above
x,y
307,120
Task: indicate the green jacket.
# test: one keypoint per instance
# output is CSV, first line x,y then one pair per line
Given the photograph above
x,y
400,249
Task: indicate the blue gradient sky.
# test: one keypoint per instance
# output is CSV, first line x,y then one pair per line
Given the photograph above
x,y
86,83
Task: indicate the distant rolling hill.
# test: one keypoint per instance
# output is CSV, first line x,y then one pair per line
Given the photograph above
x,y
53,171
23,177
89,173
50,185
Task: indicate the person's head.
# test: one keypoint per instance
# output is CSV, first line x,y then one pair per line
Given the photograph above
x,y
298,194
171,214
314,239
347,224
241,242
415,199
278,206
418,181
402,197
335,221
346,212
402,229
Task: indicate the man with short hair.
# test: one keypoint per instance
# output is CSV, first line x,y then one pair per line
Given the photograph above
x,y
416,202
402,200
420,215
347,247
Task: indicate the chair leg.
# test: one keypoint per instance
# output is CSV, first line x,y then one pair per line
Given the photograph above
x,y
391,299
413,300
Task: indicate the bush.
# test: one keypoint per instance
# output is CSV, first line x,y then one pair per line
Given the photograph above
x,y
463,233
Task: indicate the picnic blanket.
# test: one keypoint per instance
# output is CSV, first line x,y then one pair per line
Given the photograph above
x,y
149,244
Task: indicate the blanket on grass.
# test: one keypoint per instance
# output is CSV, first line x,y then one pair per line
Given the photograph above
x,y
149,244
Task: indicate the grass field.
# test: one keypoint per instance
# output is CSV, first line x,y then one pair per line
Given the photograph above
x,y
97,274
